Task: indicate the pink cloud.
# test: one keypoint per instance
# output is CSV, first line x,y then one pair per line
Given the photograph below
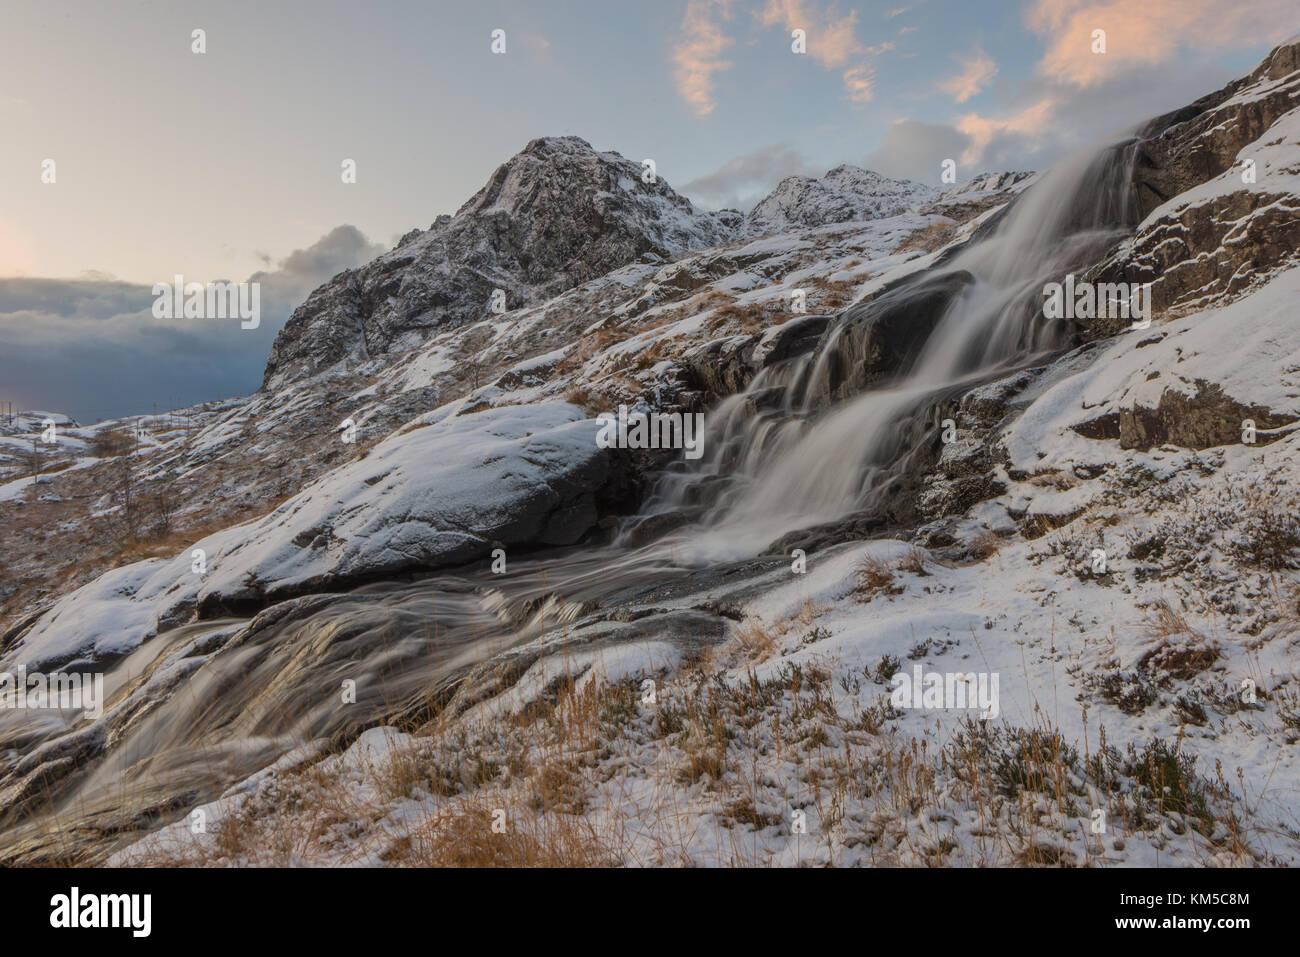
x,y
1148,32
832,41
977,70
1032,121
699,54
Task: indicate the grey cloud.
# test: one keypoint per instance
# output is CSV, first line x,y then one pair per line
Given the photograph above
x,y
741,182
94,350
79,298
342,248
914,150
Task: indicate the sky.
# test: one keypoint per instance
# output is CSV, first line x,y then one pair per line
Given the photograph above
x,y
226,164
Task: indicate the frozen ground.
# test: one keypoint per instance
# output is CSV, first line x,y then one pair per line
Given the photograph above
x,y
781,746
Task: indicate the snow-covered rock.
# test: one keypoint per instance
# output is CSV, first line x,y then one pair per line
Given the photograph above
x,y
445,491
556,215
845,194
1215,185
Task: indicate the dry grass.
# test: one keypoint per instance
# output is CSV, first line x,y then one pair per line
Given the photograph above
x,y
582,397
1054,478
658,351
1181,651
750,318
929,238
478,836
112,443
1165,622
874,576
738,754
985,544
914,561
831,295
755,639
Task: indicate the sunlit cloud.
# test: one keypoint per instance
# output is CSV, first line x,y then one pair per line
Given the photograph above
x,y
1147,33
832,41
977,71
1032,122
859,83
698,55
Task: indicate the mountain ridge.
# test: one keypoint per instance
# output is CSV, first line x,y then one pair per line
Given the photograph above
x,y
556,214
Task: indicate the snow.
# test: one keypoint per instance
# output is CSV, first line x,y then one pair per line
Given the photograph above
x,y
110,616
450,484
605,665
1276,154
1261,368
445,491
844,194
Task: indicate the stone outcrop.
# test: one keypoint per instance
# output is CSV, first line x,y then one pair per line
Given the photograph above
x,y
1213,227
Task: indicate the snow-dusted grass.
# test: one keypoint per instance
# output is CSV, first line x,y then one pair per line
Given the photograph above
x,y
782,747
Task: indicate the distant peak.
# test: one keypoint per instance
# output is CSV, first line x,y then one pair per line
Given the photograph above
x,y
846,193
849,171
558,144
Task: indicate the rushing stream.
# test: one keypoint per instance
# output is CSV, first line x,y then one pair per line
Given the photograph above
x,y
203,706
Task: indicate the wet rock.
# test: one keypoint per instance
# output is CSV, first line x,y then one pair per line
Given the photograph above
x,y
881,338
790,339
720,367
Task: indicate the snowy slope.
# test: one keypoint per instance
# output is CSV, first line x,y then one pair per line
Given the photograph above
x,y
445,491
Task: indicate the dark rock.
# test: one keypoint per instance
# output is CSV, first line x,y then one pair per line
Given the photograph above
x,y
1207,419
881,338
790,339
1202,252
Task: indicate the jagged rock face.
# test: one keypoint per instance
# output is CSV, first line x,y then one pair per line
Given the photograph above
x,y
1208,233
556,215
962,477
845,194
1185,148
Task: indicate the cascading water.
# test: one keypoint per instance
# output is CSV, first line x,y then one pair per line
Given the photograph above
x,y
809,441
794,468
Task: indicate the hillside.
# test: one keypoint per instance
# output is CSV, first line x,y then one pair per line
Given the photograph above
x,y
630,658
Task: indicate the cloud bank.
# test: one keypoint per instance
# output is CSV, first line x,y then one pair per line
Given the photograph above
x,y
92,348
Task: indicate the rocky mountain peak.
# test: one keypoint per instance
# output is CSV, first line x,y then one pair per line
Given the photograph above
x,y
557,214
845,194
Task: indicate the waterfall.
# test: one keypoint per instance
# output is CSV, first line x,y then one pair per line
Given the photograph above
x,y
811,440
807,459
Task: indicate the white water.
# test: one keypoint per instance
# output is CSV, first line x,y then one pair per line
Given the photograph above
x,y
802,471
